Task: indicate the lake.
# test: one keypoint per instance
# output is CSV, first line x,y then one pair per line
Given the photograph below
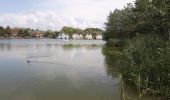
x,y
49,69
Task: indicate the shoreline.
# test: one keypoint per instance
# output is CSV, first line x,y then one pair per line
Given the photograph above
x,y
48,38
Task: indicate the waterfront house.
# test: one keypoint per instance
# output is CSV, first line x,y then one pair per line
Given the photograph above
x,y
14,32
99,37
77,36
37,34
80,36
88,36
62,36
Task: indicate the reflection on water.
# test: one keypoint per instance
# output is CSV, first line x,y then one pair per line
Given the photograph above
x,y
55,70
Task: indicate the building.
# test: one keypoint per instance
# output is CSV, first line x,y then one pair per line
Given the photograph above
x,y
14,32
88,36
62,36
37,34
99,37
80,36
77,36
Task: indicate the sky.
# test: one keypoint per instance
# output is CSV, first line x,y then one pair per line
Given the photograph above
x,y
54,14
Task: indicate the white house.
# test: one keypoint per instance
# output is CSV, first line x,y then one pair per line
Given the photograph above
x,y
99,37
77,36
88,36
80,36
63,36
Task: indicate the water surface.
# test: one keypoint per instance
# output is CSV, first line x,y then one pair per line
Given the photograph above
x,y
46,69
54,70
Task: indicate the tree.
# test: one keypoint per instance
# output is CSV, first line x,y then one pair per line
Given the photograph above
x,y
27,32
51,34
1,31
119,23
145,17
21,33
162,13
56,33
93,31
79,31
68,30
48,34
7,31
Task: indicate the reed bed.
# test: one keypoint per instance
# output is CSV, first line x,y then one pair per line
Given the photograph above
x,y
145,62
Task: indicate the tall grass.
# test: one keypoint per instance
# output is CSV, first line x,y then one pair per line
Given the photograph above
x,y
145,62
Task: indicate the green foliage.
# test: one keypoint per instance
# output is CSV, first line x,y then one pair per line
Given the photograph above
x,y
20,33
116,42
1,31
93,31
55,34
70,31
145,17
7,31
145,63
48,33
145,58
119,23
51,34
27,32
79,31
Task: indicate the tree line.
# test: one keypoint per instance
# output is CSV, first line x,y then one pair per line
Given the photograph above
x,y
70,31
7,32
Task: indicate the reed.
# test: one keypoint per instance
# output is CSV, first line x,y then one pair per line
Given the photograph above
x,y
145,62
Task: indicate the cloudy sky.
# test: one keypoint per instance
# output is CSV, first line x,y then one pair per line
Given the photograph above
x,y
54,14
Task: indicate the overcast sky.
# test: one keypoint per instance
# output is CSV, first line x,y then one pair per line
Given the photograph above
x,y
54,14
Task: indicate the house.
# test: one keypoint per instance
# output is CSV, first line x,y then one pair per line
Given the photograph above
x,y
37,34
88,36
99,37
80,36
77,36
14,32
62,36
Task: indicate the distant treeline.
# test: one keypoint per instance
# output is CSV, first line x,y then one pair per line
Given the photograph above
x,y
7,32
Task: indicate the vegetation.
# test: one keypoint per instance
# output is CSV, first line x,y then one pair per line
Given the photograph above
x,y
145,17
145,63
51,34
5,32
93,31
142,30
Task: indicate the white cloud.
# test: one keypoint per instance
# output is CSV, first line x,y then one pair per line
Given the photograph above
x,y
45,20
54,14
